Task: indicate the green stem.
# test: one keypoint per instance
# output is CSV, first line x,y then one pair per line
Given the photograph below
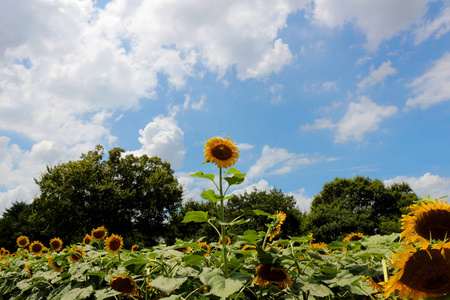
x,y
222,227
265,238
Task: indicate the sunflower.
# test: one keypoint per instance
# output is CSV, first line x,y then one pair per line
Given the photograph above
x,y
56,244
77,255
135,248
99,233
87,239
221,152
51,263
270,273
23,241
248,247
27,266
228,241
36,248
319,247
204,247
114,243
426,220
280,217
422,273
124,285
352,237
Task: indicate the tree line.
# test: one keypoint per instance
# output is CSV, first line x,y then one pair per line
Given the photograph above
x,y
140,199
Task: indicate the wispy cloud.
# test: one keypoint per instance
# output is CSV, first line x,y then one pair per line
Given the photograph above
x,y
428,184
436,28
377,76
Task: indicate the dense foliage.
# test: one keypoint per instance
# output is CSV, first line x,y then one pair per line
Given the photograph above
x,y
129,195
359,204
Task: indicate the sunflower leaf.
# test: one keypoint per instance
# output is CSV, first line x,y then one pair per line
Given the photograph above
x,y
168,284
211,196
221,286
201,175
237,177
196,216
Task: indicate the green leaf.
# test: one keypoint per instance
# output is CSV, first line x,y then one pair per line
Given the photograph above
x,y
317,289
251,236
247,211
135,265
79,291
238,222
168,284
105,293
196,216
211,196
237,177
221,286
194,259
201,175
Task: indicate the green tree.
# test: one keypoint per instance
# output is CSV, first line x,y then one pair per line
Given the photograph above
x,y
270,202
358,205
14,223
131,196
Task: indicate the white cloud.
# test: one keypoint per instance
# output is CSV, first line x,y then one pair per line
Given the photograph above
x,y
244,146
278,161
378,20
428,184
163,138
261,185
362,117
433,86
323,123
377,76
437,27
303,202
275,91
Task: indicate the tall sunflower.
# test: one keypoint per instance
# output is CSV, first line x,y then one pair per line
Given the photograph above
x,y
23,241
352,237
427,220
56,244
36,248
77,255
99,233
114,243
270,273
124,285
421,273
222,152
280,217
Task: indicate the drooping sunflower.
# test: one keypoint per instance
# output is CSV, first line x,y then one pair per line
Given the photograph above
x,y
135,248
56,244
203,246
353,237
124,285
99,233
36,248
23,241
427,220
422,273
228,241
248,247
270,273
280,217
51,263
77,255
114,243
27,266
221,152
87,239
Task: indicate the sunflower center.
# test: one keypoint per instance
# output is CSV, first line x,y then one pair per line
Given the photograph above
x,y
435,223
36,248
22,242
222,152
269,274
99,234
122,285
114,244
55,245
355,238
427,271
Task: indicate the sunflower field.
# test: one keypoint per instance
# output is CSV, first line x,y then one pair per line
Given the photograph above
x,y
414,264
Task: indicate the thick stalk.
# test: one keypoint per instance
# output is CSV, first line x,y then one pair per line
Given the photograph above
x,y
223,228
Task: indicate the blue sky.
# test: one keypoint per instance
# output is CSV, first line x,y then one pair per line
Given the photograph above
x,y
309,90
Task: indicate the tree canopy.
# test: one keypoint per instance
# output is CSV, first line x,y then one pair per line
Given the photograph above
x,y
358,205
131,196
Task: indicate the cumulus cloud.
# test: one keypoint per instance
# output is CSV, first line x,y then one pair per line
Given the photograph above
x,y
436,28
163,138
362,117
323,123
428,184
278,161
302,201
433,86
378,20
377,76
